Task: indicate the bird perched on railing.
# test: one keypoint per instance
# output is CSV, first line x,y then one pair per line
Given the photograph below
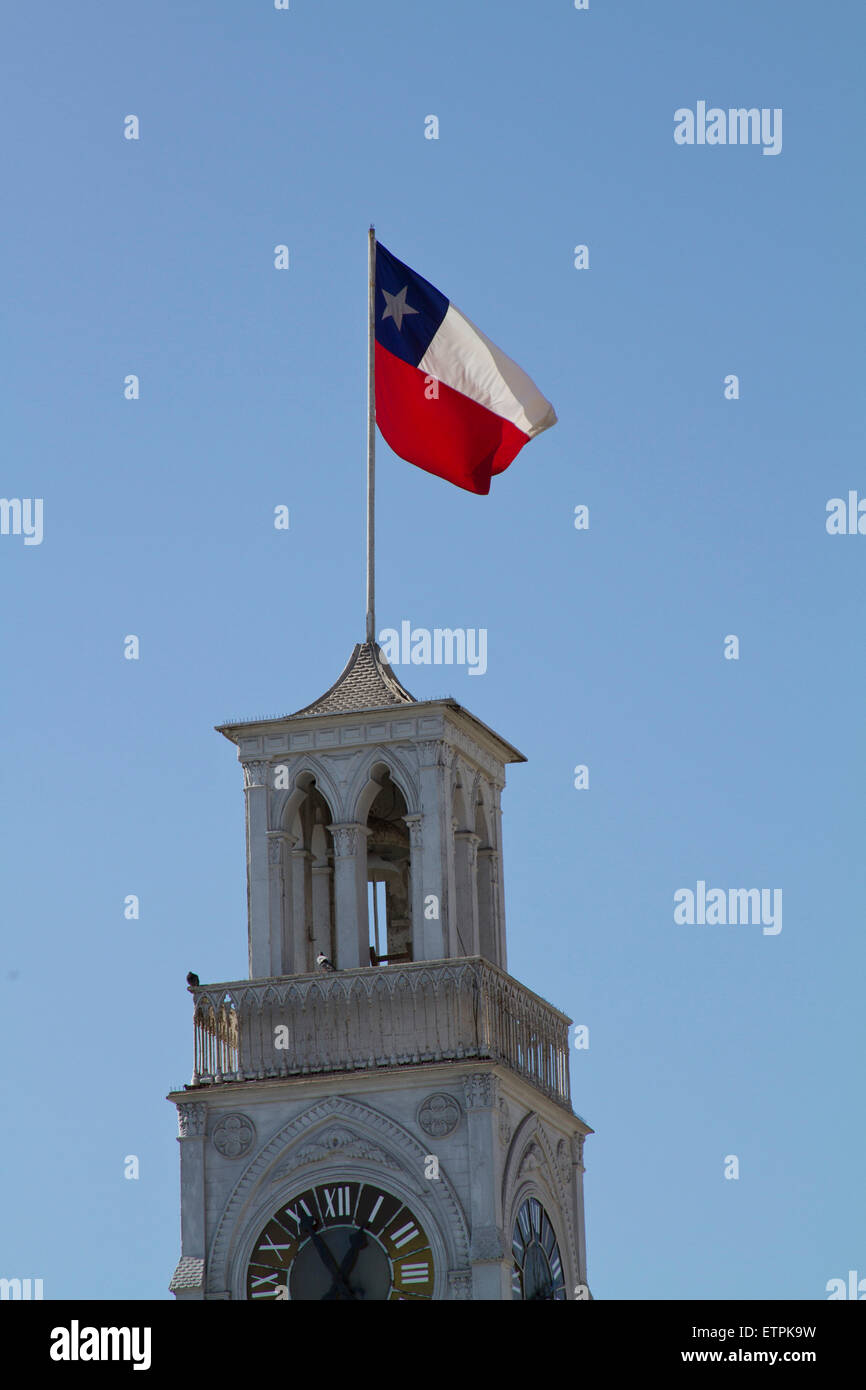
x,y
192,980
323,963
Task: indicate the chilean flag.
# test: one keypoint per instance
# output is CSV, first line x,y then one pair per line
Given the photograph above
x,y
447,399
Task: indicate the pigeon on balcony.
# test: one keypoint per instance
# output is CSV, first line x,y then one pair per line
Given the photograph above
x,y
323,963
192,979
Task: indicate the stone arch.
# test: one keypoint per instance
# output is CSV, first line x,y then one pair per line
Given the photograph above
x,y
380,806
358,797
304,813
307,775
531,1170
368,1144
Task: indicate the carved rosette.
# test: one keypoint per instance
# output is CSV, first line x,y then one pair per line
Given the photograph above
x,y
191,1119
439,1115
233,1135
480,1090
255,774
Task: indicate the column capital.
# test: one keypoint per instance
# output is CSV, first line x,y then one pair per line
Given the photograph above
x,y
480,1089
255,774
191,1120
350,839
435,752
277,839
414,823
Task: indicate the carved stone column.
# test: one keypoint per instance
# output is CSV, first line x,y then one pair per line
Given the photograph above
x,y
352,930
416,839
302,910
321,930
256,793
278,842
497,889
577,1197
437,856
487,877
465,870
491,1263
191,1123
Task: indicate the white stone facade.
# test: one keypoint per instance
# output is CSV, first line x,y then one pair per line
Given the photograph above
x,y
506,1143
374,840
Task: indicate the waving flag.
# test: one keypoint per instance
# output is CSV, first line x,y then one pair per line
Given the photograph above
x,y
447,399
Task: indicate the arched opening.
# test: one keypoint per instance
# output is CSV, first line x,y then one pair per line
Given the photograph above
x,y
389,880
310,920
488,942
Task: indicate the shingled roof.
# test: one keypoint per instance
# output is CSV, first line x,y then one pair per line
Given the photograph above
x,y
366,683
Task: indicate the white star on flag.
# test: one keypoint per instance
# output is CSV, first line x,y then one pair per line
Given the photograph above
x,y
397,307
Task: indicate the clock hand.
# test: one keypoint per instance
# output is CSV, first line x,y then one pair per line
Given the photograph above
x,y
308,1225
357,1241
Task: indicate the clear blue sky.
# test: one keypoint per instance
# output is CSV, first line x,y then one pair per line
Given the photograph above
x,y
155,257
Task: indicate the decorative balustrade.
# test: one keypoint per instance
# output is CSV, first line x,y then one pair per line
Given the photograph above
x,y
375,1017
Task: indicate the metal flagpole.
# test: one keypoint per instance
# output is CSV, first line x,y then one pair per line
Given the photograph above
x,y
371,441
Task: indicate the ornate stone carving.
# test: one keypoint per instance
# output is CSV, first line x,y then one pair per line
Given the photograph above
x,y
434,752
577,1142
415,835
460,1284
532,1158
255,774
476,754
480,1090
233,1135
275,847
349,840
439,1115
337,1140
339,1113
505,1129
191,1119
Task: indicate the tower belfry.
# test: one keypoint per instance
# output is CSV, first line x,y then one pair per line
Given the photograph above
x,y
380,1111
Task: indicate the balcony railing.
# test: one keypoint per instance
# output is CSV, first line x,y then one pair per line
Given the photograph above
x,y
379,1017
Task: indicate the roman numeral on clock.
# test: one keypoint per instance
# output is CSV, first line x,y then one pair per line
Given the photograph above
x,y
405,1234
293,1212
414,1274
270,1248
343,1200
269,1281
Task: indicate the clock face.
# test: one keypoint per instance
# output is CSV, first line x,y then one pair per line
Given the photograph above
x,y
342,1240
537,1269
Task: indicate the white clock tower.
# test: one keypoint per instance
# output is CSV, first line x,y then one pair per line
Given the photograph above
x,y
380,1111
